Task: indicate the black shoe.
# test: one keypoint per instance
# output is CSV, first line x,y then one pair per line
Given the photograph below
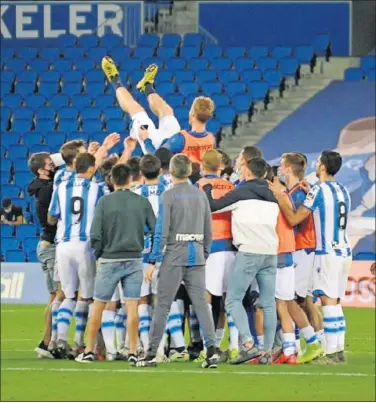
x,y
85,358
132,359
211,362
43,352
195,350
148,361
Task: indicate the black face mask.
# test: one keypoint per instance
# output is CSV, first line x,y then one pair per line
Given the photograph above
x,y
51,173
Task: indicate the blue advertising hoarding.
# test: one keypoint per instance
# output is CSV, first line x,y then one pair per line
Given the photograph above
x,y
272,23
37,24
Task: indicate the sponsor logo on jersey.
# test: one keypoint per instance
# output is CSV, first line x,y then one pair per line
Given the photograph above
x,y
200,148
189,237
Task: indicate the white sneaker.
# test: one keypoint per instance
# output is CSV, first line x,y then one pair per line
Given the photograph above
x,y
111,357
124,353
162,358
175,355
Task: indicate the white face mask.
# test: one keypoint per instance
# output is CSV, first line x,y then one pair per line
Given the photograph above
x,y
8,209
281,176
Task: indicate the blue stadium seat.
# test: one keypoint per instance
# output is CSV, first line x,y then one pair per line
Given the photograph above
x,y
111,41
25,231
21,164
251,75
16,65
72,88
35,101
23,203
198,63
235,87
354,74
163,76
81,101
26,76
8,76
49,54
6,54
59,100
321,44
68,125
115,125
289,66
84,64
91,125
96,53
166,53
3,150
12,101
9,139
149,40
214,125
281,51
204,76
68,112
258,90
94,76
105,101
220,99
5,165
32,138
21,125
55,140
189,52
184,75
189,98
45,125
193,39
4,176
131,64
166,88
4,124
212,51
371,74
73,77
39,148
9,243
5,114
98,136
95,90
67,40
10,191
15,256
18,151
6,230
22,179
225,76
274,78
171,40
78,135
234,52
181,112
50,76
62,66
176,63
72,54
143,52
39,65
32,257
266,63
46,113
48,89
226,115
23,113
152,60
367,63
221,63
120,54
304,54
25,89
175,99
88,41
257,52
211,87
188,88
112,113
27,53
5,88
135,77
91,113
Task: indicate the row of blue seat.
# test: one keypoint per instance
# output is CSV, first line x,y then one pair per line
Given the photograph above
x,y
28,244
20,232
18,256
358,74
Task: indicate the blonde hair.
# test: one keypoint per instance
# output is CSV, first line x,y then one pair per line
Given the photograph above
x,y
203,109
212,161
297,162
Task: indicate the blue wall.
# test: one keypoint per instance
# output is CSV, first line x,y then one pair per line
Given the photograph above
x,y
273,24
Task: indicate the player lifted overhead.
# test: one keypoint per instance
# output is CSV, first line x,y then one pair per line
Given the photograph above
x,y
168,125
330,203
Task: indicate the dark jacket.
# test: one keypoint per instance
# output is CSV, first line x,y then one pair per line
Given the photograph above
x,y
41,190
118,228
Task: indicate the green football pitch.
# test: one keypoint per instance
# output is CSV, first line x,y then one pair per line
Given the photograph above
x,y
24,377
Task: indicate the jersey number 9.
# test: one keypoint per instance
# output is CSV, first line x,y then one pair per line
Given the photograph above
x,y
77,207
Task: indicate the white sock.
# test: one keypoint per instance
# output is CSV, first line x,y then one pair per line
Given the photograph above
x,y
297,338
341,328
331,327
234,333
120,327
288,345
180,303
175,326
64,318
321,337
260,342
162,344
108,330
144,325
54,312
309,335
219,333
194,326
81,314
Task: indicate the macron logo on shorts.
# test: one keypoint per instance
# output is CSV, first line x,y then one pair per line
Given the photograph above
x,y
189,237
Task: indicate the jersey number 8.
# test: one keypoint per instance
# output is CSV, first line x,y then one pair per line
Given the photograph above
x,y
342,218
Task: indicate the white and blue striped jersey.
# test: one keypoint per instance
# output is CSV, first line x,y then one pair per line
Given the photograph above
x,y
165,180
63,174
73,202
330,203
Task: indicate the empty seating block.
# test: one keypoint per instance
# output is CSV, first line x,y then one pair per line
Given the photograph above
x,y
354,74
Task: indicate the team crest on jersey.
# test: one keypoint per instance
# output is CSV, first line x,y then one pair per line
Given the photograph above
x,y
318,269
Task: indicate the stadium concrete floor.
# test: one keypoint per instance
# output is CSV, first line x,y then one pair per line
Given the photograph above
x,y
24,377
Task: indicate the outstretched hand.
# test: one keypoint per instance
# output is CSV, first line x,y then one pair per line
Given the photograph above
x,y
93,147
276,187
304,184
143,134
130,143
111,140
